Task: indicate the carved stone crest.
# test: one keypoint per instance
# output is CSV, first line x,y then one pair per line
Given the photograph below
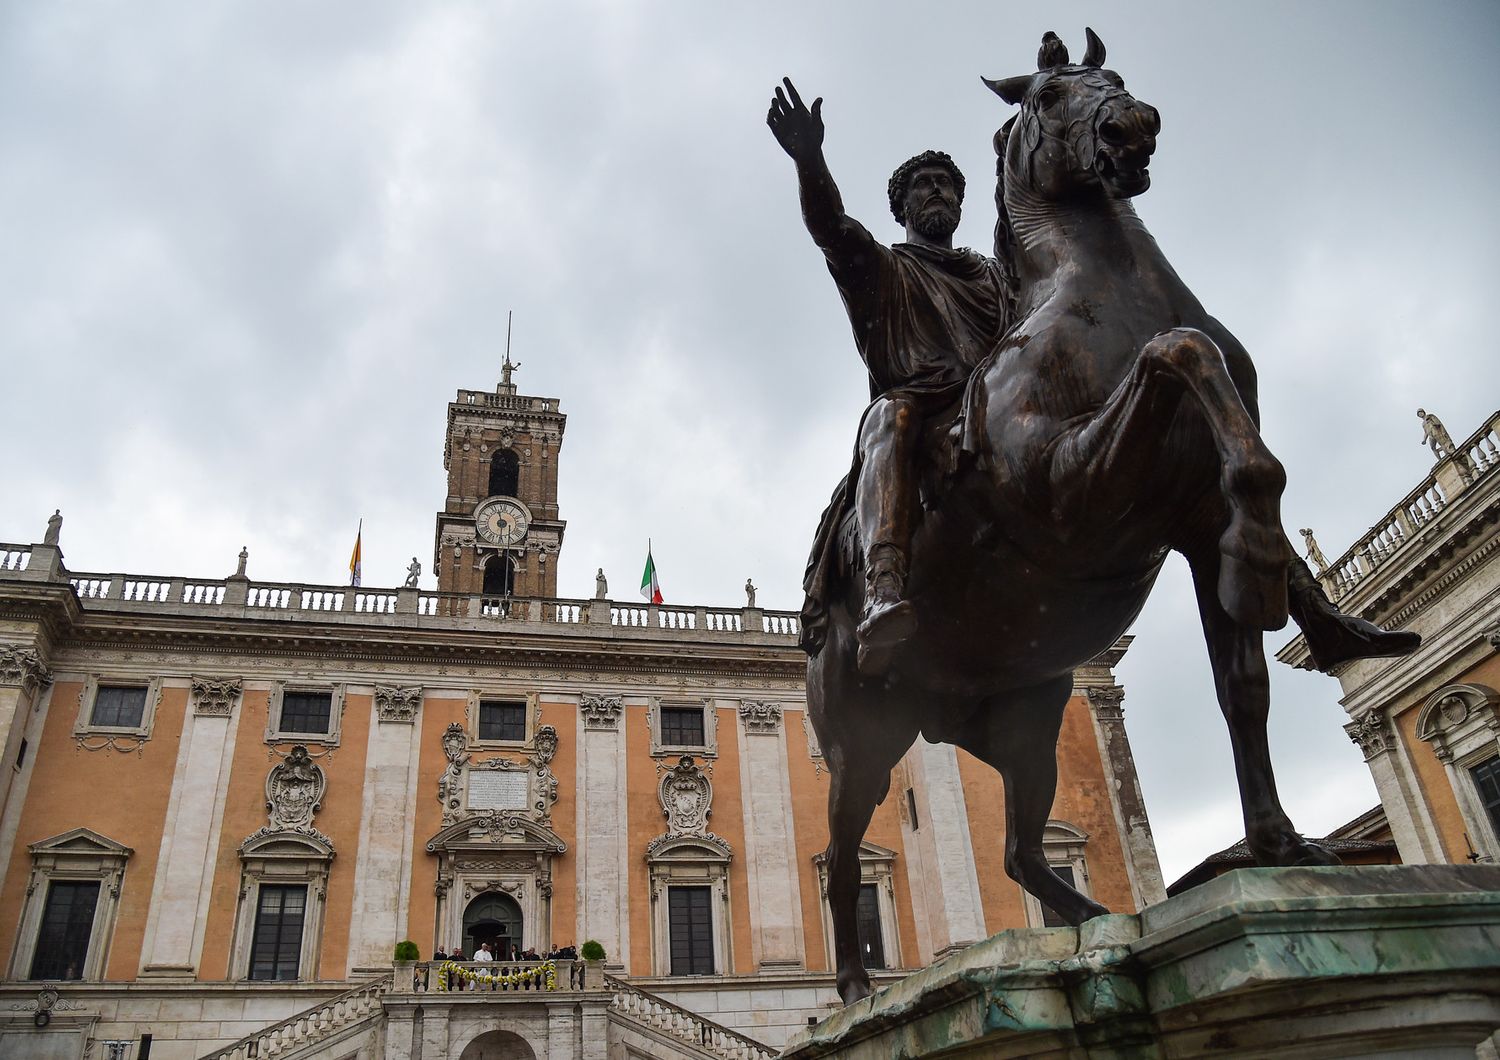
x,y
215,698
294,793
601,712
1371,732
397,704
23,667
686,798
760,717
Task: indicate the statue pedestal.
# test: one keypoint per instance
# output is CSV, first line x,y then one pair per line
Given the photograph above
x,y
1380,960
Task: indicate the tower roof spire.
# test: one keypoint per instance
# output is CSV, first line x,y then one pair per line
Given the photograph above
x,y
506,368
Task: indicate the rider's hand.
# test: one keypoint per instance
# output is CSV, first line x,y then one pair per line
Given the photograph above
x,y
798,130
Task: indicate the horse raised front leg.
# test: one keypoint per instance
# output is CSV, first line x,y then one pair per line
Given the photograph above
x,y
1018,737
1237,654
1105,464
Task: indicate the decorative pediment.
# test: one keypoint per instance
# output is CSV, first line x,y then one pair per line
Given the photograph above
x,y
867,852
81,842
287,845
491,831
696,849
1457,718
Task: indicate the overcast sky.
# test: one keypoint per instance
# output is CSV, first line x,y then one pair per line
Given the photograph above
x,y
251,250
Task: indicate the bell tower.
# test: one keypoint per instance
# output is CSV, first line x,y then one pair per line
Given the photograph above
x,y
498,533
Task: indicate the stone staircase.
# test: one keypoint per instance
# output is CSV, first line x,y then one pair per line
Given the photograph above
x,y
352,1024
311,1031
636,1010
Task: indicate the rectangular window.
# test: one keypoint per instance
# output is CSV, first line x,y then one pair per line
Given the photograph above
x,y
1487,779
62,945
276,948
690,928
1049,918
867,917
911,807
306,712
682,727
502,721
119,707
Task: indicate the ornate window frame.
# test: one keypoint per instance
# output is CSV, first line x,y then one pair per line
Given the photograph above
x,y
279,689
83,725
1462,725
709,748
876,866
1064,846
471,718
77,855
690,861
282,858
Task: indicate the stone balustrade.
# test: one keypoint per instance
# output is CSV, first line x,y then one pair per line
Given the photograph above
x,y
310,1025
242,598
1476,458
662,1016
509,977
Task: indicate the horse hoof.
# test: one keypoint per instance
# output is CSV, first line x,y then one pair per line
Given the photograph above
x,y
1316,854
855,990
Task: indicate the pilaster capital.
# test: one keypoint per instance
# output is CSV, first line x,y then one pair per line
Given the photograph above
x,y
397,703
601,712
1372,733
1106,701
760,717
214,697
23,667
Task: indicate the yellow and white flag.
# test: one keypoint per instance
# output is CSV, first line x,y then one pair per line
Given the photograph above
x,y
354,558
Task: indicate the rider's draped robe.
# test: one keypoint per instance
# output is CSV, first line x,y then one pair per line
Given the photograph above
x,y
923,318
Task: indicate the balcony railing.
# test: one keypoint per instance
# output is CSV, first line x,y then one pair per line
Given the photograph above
x,y
241,597
1472,461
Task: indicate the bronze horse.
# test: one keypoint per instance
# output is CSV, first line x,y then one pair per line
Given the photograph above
x,y
1115,422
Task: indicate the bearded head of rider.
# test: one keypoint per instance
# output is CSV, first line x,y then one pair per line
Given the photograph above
x,y
926,195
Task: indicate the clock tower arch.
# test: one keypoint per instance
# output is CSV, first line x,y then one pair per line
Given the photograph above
x,y
499,526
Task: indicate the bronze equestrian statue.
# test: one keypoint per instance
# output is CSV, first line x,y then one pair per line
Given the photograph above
x,y
1114,421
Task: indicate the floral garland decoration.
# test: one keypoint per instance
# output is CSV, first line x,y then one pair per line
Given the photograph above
x,y
547,971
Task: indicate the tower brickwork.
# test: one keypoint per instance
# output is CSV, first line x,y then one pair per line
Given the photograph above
x,y
499,532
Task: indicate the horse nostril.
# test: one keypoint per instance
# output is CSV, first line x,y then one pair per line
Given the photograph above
x,y
1111,131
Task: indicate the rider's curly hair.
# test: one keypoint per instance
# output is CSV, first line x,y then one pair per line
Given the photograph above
x,y
896,188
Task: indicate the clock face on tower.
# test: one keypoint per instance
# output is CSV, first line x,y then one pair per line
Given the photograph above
x,y
502,521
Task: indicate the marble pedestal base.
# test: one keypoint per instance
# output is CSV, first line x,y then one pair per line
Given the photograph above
x,y
1368,961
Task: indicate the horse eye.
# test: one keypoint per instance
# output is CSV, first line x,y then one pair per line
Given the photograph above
x,y
1046,98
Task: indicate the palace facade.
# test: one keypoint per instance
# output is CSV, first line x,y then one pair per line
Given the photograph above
x,y
223,801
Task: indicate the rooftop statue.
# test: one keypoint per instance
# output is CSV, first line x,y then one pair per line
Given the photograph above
x,y
1046,426
1435,434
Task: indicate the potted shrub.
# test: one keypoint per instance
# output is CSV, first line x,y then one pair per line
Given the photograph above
x,y
593,959
405,961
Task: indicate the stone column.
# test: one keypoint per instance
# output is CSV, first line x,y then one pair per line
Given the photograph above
x,y
383,865
190,841
940,854
1400,791
770,843
1106,707
603,831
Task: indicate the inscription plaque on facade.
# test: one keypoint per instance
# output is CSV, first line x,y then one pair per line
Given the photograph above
x,y
498,790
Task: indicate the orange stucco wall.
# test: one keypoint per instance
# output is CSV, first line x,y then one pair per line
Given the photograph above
x,y
122,796
1432,775
564,718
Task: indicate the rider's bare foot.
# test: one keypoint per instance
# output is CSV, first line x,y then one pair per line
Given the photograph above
x,y
887,621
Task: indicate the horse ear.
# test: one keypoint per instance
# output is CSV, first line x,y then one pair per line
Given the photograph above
x,y
1052,53
1010,89
1095,54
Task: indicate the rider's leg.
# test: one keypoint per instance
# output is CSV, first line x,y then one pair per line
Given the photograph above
x,y
1332,636
884,499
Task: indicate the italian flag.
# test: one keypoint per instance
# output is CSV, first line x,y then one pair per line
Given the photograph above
x,y
650,587
354,563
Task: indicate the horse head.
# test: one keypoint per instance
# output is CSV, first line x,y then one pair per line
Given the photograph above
x,y
1079,133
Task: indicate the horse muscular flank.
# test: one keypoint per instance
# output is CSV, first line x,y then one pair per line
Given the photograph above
x,y
1116,421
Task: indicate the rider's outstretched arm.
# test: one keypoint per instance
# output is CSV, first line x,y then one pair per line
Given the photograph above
x,y
800,133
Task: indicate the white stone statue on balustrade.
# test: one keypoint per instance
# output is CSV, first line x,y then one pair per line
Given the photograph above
x,y
239,571
1314,553
601,586
413,573
749,593
54,528
1435,434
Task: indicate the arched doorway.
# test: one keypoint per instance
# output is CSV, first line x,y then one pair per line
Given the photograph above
x,y
499,576
496,919
498,1045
